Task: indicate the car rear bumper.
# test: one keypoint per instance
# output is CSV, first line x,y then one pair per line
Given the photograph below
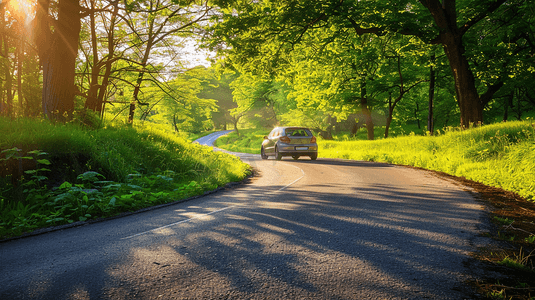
x,y
298,153
301,150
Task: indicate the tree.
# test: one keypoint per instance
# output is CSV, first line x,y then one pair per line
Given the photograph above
x,y
258,99
155,26
262,33
6,88
101,68
56,31
218,88
19,77
176,102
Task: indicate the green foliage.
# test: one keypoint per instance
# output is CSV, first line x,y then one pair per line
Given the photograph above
x,y
249,141
333,54
503,221
260,100
119,169
218,88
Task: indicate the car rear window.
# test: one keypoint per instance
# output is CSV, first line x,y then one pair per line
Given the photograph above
x,y
298,132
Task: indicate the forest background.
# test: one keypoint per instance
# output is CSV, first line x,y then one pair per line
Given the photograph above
x,y
331,65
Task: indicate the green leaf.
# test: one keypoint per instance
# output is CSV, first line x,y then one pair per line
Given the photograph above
x,y
91,176
44,161
65,185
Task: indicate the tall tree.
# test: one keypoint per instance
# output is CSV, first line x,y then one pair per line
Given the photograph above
x,y
217,87
155,27
257,98
56,33
15,52
261,33
105,22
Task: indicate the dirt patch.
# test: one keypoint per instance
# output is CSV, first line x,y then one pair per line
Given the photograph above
x,y
510,264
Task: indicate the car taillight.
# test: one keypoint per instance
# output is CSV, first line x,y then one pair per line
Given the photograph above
x,y
285,139
313,140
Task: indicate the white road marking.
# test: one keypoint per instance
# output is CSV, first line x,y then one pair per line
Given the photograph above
x,y
295,181
179,222
215,211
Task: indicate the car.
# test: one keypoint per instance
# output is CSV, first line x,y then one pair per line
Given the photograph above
x,y
289,141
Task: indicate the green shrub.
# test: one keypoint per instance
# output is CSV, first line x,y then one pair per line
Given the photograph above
x,y
70,173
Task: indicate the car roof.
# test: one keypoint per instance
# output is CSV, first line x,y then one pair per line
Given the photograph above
x,y
292,127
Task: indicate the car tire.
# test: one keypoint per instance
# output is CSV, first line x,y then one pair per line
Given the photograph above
x,y
295,157
314,156
263,153
278,156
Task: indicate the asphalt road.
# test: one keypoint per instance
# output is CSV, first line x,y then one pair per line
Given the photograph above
x,y
325,229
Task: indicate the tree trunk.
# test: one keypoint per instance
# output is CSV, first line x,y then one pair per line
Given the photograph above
x,y
92,101
450,37
330,126
8,83
365,111
519,109
20,59
110,59
465,88
57,53
430,123
416,116
507,103
2,37
387,126
389,117
135,99
355,128
236,126
175,124
152,35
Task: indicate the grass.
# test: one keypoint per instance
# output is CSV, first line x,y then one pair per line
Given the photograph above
x,y
58,174
500,155
248,141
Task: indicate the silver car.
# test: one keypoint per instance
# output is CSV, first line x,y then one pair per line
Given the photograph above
x,y
289,141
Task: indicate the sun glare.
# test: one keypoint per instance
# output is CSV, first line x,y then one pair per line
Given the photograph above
x,y
22,9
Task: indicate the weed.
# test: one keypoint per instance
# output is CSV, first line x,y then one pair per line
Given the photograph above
x,y
519,261
503,221
530,239
497,294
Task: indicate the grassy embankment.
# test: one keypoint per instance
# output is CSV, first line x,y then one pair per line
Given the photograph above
x,y
500,155
59,174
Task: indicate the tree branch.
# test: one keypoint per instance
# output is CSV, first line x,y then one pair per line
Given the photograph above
x,y
360,31
490,9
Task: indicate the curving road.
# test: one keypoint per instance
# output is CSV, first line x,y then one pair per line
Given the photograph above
x,y
325,229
